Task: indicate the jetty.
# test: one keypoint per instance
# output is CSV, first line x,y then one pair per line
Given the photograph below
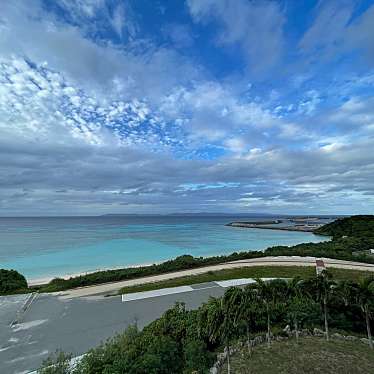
x,y
307,227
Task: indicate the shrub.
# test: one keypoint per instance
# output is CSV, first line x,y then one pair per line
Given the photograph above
x,y
11,281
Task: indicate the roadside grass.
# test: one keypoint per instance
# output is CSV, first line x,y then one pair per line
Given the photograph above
x,y
312,355
245,272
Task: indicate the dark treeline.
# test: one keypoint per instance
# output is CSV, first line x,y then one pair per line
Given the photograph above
x,y
351,237
183,341
360,226
10,281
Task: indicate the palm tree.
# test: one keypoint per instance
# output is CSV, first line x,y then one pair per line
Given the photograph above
x,y
217,322
270,293
246,311
296,303
365,298
325,286
347,291
230,304
210,320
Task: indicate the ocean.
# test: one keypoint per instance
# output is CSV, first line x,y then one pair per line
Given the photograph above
x,y
57,246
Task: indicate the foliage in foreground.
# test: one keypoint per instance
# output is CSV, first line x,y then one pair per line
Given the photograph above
x,y
183,341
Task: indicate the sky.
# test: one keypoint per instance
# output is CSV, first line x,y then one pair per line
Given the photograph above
x,y
164,106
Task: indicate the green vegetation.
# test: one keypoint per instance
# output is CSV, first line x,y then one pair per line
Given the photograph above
x,y
183,341
355,226
312,355
58,363
11,281
249,272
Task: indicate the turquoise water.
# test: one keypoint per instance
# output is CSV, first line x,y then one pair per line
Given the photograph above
x,y
49,247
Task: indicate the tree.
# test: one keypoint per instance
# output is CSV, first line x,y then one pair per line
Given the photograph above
x,y
197,358
346,290
325,287
269,294
298,305
11,280
58,363
230,303
365,298
247,309
159,356
217,322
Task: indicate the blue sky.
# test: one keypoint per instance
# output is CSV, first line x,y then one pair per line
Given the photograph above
x,y
111,106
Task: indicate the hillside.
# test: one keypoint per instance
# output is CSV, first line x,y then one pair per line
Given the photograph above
x,y
312,355
361,226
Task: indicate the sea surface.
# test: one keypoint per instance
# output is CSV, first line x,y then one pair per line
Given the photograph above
x,y
57,246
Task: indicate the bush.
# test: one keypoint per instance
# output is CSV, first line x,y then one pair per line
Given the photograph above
x,y
58,363
355,226
197,357
11,281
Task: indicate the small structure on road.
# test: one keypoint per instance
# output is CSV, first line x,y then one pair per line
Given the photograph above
x,y
320,266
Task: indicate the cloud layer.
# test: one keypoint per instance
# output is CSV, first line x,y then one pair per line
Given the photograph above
x,y
212,106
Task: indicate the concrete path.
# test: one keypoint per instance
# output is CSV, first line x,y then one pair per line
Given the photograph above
x,y
264,261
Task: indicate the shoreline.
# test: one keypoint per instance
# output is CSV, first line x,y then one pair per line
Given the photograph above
x,y
73,270
39,281
45,280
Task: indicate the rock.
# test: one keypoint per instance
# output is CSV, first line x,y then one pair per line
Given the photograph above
x,y
258,339
318,332
304,332
213,370
280,338
364,340
337,336
287,330
350,337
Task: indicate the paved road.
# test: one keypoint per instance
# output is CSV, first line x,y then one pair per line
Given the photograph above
x,y
78,324
264,261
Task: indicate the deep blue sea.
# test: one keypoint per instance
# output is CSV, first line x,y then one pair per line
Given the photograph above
x,y
56,246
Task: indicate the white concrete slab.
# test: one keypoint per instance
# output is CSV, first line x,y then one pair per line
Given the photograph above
x,y
155,293
239,282
235,282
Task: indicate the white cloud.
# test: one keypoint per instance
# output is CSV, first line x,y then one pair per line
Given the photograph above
x,y
336,31
256,26
93,126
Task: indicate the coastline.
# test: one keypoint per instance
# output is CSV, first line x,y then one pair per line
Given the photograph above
x,y
39,281
123,245
47,279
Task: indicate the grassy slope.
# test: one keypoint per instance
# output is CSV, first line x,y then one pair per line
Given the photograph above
x,y
313,355
250,272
